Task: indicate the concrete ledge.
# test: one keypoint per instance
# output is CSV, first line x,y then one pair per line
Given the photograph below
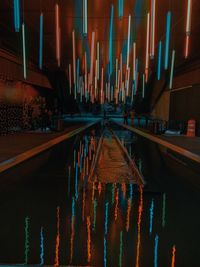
x,y
7,164
182,151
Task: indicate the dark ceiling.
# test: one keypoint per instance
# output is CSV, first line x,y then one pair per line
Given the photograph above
x,y
98,21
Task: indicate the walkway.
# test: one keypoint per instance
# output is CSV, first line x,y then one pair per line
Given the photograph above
x,y
184,146
15,149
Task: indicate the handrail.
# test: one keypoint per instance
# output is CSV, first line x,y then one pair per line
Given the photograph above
x,y
181,151
7,164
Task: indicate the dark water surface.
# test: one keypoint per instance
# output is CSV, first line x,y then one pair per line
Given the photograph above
x,y
56,217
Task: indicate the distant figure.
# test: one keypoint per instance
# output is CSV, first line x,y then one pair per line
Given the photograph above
x,y
132,113
125,115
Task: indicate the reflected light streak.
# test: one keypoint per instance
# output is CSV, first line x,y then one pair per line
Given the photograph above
x,y
88,240
164,210
121,249
140,209
27,244
173,256
41,246
116,203
56,263
128,215
156,251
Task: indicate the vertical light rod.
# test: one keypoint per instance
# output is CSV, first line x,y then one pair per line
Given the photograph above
x,y
98,61
17,15
172,70
143,85
116,75
147,47
74,56
159,61
128,44
121,8
70,79
41,42
85,18
110,41
92,58
153,19
134,61
57,19
188,27
24,50
167,41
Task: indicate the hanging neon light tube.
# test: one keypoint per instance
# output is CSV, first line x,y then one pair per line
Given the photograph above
x,y
116,75
172,70
143,85
128,44
41,42
111,40
57,20
121,8
17,15
85,17
92,58
70,79
147,48
24,51
167,41
98,61
159,61
74,56
134,61
153,15
188,28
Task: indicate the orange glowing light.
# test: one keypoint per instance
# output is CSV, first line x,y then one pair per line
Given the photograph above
x,y
124,190
58,35
128,215
99,188
116,204
83,208
173,256
57,238
88,239
140,209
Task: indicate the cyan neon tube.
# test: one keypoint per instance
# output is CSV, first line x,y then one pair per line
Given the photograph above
x,y
167,41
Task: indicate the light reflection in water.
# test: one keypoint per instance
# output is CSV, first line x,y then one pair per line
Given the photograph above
x,y
57,239
27,245
140,209
41,246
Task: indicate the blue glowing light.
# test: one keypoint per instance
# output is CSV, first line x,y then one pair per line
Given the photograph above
x,y
156,251
159,61
106,218
27,246
41,42
104,254
73,207
41,247
16,5
24,51
167,41
76,182
151,217
121,8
